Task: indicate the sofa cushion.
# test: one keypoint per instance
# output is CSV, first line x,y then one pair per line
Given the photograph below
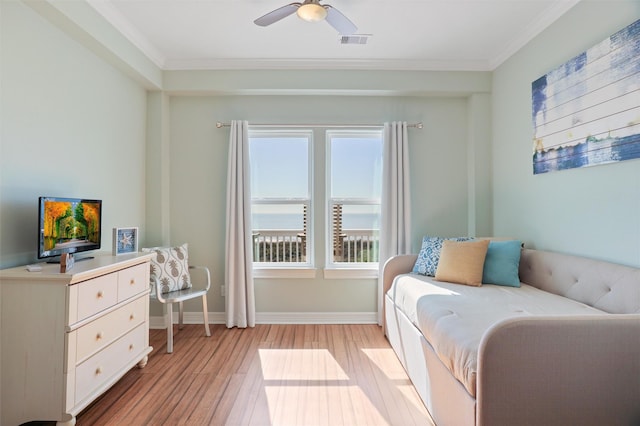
x,y
454,317
427,261
462,262
502,262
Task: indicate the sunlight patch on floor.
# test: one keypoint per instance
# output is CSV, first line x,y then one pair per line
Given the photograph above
x,y
300,364
288,402
308,386
387,362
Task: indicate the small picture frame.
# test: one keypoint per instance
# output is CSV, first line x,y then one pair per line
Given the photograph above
x,y
125,240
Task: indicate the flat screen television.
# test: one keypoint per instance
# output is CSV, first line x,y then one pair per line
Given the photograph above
x,y
68,225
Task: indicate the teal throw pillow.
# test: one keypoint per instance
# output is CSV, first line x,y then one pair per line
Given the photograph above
x,y
502,263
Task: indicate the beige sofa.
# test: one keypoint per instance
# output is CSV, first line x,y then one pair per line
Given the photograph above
x,y
562,349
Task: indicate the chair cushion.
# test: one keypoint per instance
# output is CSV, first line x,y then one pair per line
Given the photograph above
x,y
171,266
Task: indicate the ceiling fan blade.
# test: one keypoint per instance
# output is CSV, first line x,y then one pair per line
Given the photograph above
x,y
276,15
337,20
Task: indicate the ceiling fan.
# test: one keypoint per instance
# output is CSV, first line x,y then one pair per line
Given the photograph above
x,y
310,11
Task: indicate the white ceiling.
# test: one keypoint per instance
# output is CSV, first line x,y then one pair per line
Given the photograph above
x,y
405,34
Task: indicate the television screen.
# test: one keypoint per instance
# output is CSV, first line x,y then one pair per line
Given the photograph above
x,y
68,225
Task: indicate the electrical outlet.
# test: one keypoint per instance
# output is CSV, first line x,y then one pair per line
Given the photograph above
x,y
223,290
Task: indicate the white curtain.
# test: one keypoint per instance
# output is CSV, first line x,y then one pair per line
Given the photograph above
x,y
239,300
395,229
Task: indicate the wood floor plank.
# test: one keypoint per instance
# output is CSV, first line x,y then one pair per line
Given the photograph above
x,y
205,409
268,375
160,395
250,390
190,400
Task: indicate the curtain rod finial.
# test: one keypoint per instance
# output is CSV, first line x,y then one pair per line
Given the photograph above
x,y
218,125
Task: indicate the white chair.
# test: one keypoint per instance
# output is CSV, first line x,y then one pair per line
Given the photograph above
x,y
179,296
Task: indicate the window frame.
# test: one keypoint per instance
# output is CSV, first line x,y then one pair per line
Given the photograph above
x,y
335,269
289,269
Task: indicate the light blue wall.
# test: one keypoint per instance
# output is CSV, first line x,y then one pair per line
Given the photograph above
x,y
592,211
198,161
72,125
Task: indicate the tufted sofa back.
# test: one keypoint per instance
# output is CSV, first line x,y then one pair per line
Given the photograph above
x,y
606,286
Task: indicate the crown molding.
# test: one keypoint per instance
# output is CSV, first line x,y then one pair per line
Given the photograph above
x,y
544,20
323,64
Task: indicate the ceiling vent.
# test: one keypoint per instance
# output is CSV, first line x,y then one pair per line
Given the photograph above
x,y
355,39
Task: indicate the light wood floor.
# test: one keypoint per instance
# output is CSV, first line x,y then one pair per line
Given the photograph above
x,y
267,375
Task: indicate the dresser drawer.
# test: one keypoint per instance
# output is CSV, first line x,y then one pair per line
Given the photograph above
x,y
101,332
96,295
132,281
95,371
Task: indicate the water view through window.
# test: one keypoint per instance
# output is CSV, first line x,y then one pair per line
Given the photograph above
x,y
281,196
282,171
354,193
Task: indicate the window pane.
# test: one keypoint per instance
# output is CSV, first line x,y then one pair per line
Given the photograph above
x,y
355,188
279,216
280,191
279,167
279,232
355,231
356,167
356,217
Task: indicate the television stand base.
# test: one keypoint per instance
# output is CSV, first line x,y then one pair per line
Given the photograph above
x,y
76,259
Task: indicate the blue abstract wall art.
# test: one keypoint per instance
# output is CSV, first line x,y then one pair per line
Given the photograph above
x,y
587,111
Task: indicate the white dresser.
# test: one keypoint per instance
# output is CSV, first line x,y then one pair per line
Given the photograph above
x,y
68,337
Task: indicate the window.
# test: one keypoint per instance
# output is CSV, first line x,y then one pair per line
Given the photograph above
x,y
354,187
281,197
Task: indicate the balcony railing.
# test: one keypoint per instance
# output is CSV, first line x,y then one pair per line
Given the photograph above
x,y
279,246
356,245
351,245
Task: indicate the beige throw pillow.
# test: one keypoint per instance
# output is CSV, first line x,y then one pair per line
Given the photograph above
x,y
462,262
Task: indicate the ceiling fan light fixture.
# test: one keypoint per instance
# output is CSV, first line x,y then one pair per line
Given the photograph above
x,y
312,12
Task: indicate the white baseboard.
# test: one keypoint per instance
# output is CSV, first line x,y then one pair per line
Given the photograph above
x,y
316,318
158,322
